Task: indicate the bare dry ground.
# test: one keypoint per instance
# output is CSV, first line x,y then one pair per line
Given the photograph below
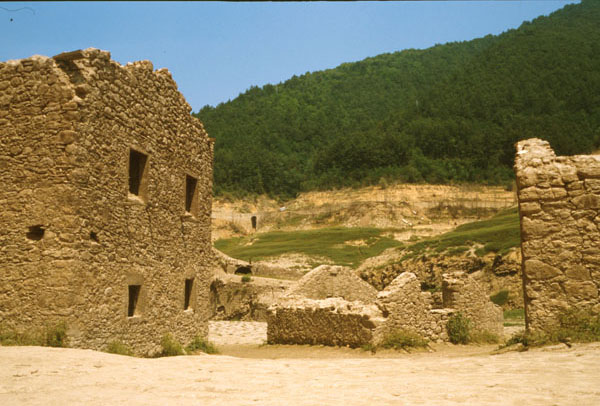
x,y
452,375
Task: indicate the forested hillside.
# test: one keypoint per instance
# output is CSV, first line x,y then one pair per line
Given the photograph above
x,y
450,113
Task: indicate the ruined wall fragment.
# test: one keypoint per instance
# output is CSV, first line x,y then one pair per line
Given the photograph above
x,y
332,321
406,307
559,208
401,306
464,294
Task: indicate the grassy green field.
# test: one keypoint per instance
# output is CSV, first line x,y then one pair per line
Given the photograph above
x,y
497,234
334,243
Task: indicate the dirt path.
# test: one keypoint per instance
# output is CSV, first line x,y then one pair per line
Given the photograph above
x,y
52,376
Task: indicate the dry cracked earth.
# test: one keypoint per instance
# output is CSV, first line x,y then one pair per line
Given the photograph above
x,y
248,373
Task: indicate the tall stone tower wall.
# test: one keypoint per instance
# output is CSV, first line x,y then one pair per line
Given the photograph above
x,y
559,207
105,189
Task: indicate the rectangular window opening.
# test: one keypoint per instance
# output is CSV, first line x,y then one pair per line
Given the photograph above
x,y
187,302
190,194
137,172
134,295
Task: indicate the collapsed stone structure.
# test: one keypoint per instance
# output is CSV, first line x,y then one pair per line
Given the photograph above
x,y
327,281
105,189
401,306
559,207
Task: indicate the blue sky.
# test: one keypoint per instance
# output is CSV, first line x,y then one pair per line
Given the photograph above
x,y
216,50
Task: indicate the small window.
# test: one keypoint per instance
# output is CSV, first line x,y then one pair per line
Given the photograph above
x,y
134,295
36,232
187,302
191,184
137,173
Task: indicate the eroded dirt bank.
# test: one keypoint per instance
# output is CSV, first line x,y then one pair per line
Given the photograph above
x,y
51,376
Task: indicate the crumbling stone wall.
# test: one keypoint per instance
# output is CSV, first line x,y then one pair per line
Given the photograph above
x,y
406,307
73,236
401,306
332,321
334,281
464,294
559,207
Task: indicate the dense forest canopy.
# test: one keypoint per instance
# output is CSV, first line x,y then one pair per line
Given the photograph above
x,y
450,113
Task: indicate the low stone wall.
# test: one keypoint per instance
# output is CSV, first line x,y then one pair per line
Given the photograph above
x,y
559,206
332,321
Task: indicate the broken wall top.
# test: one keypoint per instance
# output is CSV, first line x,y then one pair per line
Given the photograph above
x,y
70,75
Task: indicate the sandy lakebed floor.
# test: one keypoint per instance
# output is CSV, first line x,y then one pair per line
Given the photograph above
x,y
249,373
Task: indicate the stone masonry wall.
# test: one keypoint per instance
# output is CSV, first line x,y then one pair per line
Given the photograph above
x,y
559,207
332,321
464,294
67,125
402,305
406,307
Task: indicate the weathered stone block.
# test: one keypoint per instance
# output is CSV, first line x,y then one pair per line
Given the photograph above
x,y
538,228
67,136
589,169
581,290
578,272
567,172
535,269
587,202
528,208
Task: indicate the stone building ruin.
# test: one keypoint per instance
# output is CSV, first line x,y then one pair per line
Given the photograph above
x,y
105,189
402,305
559,208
